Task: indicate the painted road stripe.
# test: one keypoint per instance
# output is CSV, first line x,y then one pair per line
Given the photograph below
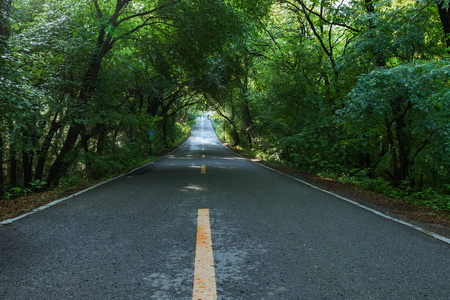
x,y
203,169
204,277
203,155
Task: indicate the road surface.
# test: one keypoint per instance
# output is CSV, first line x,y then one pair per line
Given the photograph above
x,y
145,235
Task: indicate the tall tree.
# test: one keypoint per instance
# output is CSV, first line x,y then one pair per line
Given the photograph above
x,y
113,25
444,14
74,104
5,10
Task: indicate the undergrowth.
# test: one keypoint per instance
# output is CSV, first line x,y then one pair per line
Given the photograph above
x,y
426,197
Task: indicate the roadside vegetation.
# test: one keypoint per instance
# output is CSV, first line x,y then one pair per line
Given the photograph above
x,y
22,200
355,90
91,88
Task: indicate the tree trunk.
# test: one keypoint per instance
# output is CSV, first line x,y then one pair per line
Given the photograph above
x,y
246,109
444,14
88,87
234,130
5,6
58,166
101,141
379,158
42,154
235,135
394,160
165,130
2,174
400,144
380,61
27,164
87,160
404,150
248,121
5,10
153,106
12,166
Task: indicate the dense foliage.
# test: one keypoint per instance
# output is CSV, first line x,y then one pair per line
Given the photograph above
x,y
357,90
92,87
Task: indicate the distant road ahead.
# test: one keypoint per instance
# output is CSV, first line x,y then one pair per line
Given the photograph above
x,y
272,238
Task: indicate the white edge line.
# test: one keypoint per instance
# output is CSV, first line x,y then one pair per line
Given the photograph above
x,y
423,230
9,221
418,228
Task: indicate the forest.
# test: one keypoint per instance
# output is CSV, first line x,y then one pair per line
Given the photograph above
x,y
353,90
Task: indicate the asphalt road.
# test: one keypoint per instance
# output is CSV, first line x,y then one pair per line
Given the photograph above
x,y
272,238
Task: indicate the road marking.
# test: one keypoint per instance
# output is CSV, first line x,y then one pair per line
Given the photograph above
x,y
415,227
203,155
202,130
203,169
204,277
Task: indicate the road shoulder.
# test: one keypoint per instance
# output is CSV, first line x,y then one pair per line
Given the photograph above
x,y
416,215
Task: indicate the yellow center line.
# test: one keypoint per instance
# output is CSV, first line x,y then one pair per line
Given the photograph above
x,y
204,277
203,155
203,169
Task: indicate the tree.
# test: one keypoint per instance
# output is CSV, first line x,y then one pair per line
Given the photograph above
x,y
313,54
444,14
112,27
95,75
407,107
4,36
5,11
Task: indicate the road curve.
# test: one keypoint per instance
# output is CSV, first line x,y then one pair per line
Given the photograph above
x,y
272,238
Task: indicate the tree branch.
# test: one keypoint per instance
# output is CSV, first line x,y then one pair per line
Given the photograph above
x,y
273,39
326,21
425,143
319,38
255,53
97,7
217,110
146,13
185,104
145,23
